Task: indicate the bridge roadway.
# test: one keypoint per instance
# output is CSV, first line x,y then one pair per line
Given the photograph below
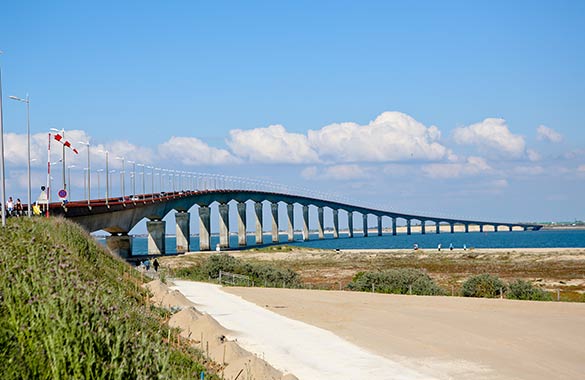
x,y
119,215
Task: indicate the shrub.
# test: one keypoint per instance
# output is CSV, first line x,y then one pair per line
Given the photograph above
x,y
397,281
215,263
524,290
483,285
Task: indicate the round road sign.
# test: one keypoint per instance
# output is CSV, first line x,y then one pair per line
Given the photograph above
x,y
62,194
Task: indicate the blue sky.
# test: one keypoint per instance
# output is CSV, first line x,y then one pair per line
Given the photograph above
x,y
469,109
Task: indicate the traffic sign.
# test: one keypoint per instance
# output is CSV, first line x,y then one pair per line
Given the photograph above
x,y
62,194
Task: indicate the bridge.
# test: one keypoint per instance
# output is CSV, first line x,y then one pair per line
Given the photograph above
x,y
119,215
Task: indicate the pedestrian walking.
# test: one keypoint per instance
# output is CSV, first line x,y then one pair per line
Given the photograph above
x,y
10,206
155,264
18,207
439,247
450,246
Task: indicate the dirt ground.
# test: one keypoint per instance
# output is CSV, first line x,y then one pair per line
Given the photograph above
x,y
553,269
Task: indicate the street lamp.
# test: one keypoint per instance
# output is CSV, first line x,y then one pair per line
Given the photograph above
x,y
110,179
133,177
88,174
143,184
98,178
2,171
69,179
107,176
27,101
123,176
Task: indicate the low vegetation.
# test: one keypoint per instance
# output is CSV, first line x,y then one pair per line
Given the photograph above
x,y
483,285
396,281
262,274
70,310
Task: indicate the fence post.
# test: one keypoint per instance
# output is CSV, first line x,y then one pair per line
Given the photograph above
x,y
558,294
220,276
373,290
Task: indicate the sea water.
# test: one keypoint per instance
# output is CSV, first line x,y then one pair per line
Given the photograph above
x,y
501,239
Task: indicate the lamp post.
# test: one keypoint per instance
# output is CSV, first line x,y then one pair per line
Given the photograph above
x,y
110,179
133,177
143,186
88,174
69,179
152,185
123,176
107,176
98,178
27,101
2,172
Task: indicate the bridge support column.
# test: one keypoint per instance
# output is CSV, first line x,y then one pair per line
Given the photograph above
x,y
408,226
495,228
290,208
320,222
335,223
365,224
305,222
156,237
183,231
466,228
242,223
510,228
481,228
274,209
452,225
350,224
259,222
224,225
379,225
120,245
525,228
422,227
204,228
393,226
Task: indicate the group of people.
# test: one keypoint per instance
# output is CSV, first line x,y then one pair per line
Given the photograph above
x,y
439,246
146,264
16,208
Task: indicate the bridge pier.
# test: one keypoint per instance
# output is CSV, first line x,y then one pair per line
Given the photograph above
x,y
437,227
379,225
241,224
452,226
305,222
120,245
466,227
422,227
183,231
481,228
335,223
393,226
156,237
204,228
525,228
259,222
224,225
274,209
350,224
408,231
290,208
510,228
320,222
365,224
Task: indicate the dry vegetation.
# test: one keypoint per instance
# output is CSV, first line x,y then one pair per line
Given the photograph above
x,y
551,269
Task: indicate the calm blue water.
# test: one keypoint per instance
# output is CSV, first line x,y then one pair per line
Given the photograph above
x,y
515,239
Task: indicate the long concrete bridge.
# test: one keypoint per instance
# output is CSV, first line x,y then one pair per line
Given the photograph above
x,y
119,215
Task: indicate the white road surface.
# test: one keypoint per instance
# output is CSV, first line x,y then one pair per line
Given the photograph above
x,y
308,352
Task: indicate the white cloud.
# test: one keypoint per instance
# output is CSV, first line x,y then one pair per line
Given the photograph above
x,y
271,144
472,166
529,170
392,136
491,135
533,155
548,134
192,151
581,169
336,172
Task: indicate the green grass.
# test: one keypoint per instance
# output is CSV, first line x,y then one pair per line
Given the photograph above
x,y
70,310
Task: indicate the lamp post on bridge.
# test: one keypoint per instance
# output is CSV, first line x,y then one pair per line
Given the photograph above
x,y
107,176
69,179
27,101
88,174
110,182
133,177
98,180
123,176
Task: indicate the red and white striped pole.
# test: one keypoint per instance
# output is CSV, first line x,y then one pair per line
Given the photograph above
x,y
48,175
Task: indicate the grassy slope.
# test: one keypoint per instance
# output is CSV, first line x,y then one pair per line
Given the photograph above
x,y
70,310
